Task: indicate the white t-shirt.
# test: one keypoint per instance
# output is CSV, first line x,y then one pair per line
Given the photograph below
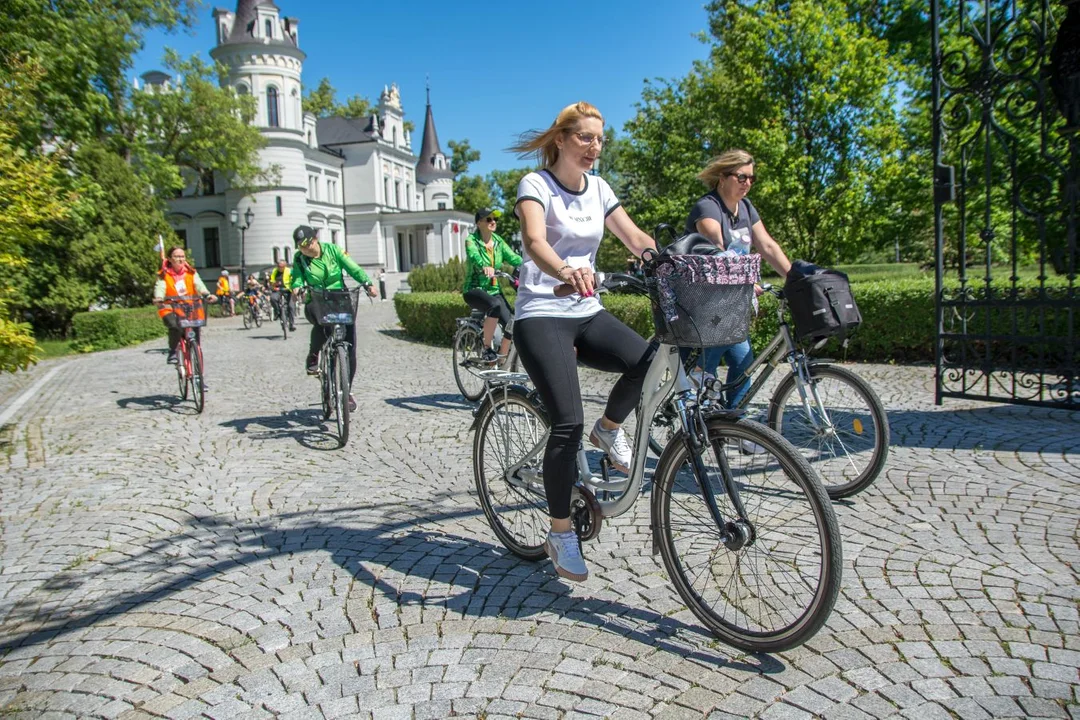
x,y
575,227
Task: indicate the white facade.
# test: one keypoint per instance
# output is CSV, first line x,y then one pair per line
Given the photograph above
x,y
356,179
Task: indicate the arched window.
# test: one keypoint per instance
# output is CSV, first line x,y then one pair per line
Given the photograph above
x,y
272,118
241,89
269,28
287,255
275,256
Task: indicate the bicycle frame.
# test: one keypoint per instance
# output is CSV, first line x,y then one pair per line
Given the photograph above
x,y
664,376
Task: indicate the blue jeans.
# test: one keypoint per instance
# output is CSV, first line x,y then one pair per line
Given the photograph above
x,y
737,357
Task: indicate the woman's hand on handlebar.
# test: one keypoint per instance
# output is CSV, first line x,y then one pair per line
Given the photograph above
x,y
580,279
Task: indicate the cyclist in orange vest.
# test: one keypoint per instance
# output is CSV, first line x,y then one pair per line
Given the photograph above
x,y
177,278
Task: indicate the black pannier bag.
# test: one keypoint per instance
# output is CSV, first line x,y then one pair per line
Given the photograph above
x,y
821,302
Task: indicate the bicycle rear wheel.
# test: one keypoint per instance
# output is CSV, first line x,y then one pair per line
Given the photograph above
x,y
468,352
511,427
341,394
846,435
198,392
764,585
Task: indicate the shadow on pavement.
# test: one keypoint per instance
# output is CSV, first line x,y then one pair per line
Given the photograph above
x,y
172,403
390,547
307,427
267,337
438,401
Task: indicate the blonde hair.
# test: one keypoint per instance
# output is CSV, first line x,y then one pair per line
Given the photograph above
x,y
722,164
541,143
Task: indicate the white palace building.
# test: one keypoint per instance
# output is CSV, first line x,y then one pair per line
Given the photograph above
x,y
357,179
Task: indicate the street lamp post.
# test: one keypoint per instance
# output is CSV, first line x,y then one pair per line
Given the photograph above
x,y
234,218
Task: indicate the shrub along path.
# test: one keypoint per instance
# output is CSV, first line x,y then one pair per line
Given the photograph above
x,y
157,563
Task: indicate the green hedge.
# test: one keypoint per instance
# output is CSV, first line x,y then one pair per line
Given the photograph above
x,y
438,278
110,329
898,319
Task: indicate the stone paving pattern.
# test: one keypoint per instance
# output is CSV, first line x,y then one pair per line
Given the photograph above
x,y
157,563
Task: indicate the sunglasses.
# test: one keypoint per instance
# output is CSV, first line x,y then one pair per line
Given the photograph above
x,y
587,139
743,178
491,219
306,242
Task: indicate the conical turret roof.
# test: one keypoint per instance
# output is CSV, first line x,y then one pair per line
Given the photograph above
x,y
243,29
426,171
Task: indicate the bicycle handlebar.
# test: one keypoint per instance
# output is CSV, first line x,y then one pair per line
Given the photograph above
x,y
605,282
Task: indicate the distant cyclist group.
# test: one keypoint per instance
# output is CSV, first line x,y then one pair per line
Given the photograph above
x,y
558,322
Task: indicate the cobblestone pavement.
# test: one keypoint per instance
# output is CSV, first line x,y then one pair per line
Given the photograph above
x,y
157,563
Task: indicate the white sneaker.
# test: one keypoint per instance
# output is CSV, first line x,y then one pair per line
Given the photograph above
x,y
564,549
613,442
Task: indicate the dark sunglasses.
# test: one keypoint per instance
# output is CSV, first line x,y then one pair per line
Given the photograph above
x,y
491,219
742,177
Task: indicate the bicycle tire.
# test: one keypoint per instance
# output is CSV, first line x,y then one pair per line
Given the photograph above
x,y
181,377
804,532
247,320
284,325
198,392
511,425
838,454
468,348
258,318
326,383
341,394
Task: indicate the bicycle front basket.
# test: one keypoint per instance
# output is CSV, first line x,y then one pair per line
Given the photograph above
x,y
703,300
190,313
334,307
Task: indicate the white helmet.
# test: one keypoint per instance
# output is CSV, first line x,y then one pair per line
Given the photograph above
x,y
225,273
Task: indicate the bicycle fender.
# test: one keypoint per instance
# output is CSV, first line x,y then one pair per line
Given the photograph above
x,y
481,409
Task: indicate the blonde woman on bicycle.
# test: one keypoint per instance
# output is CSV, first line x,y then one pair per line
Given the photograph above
x,y
564,211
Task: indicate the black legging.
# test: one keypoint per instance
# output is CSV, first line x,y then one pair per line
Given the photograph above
x,y
490,305
287,307
319,334
546,348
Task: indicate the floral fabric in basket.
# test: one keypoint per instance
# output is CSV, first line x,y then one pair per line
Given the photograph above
x,y
703,269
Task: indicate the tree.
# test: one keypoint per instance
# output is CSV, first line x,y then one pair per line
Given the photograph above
x,y
102,252
197,126
322,101
811,94
462,156
31,196
85,51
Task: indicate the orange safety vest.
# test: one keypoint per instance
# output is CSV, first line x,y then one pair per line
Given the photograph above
x,y
188,289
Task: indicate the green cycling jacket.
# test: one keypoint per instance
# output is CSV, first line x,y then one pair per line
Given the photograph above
x,y
325,271
478,258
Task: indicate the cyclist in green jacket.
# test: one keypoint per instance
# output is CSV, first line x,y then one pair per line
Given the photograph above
x,y
322,266
486,253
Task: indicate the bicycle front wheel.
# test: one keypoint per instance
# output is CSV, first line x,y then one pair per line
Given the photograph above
x,y
181,373
247,320
341,394
468,351
198,392
763,582
842,431
511,430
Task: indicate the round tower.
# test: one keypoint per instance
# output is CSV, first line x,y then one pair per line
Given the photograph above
x,y
262,52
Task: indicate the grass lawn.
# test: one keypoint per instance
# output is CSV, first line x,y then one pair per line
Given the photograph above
x,y
54,348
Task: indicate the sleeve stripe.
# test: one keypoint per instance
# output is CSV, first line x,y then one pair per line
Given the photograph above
x,y
613,208
530,197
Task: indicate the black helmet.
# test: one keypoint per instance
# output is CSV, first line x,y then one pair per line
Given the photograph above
x,y
302,233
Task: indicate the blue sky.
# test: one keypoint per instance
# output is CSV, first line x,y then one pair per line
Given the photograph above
x,y
496,69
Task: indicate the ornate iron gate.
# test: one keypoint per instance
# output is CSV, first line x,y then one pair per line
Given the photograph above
x,y
1006,143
